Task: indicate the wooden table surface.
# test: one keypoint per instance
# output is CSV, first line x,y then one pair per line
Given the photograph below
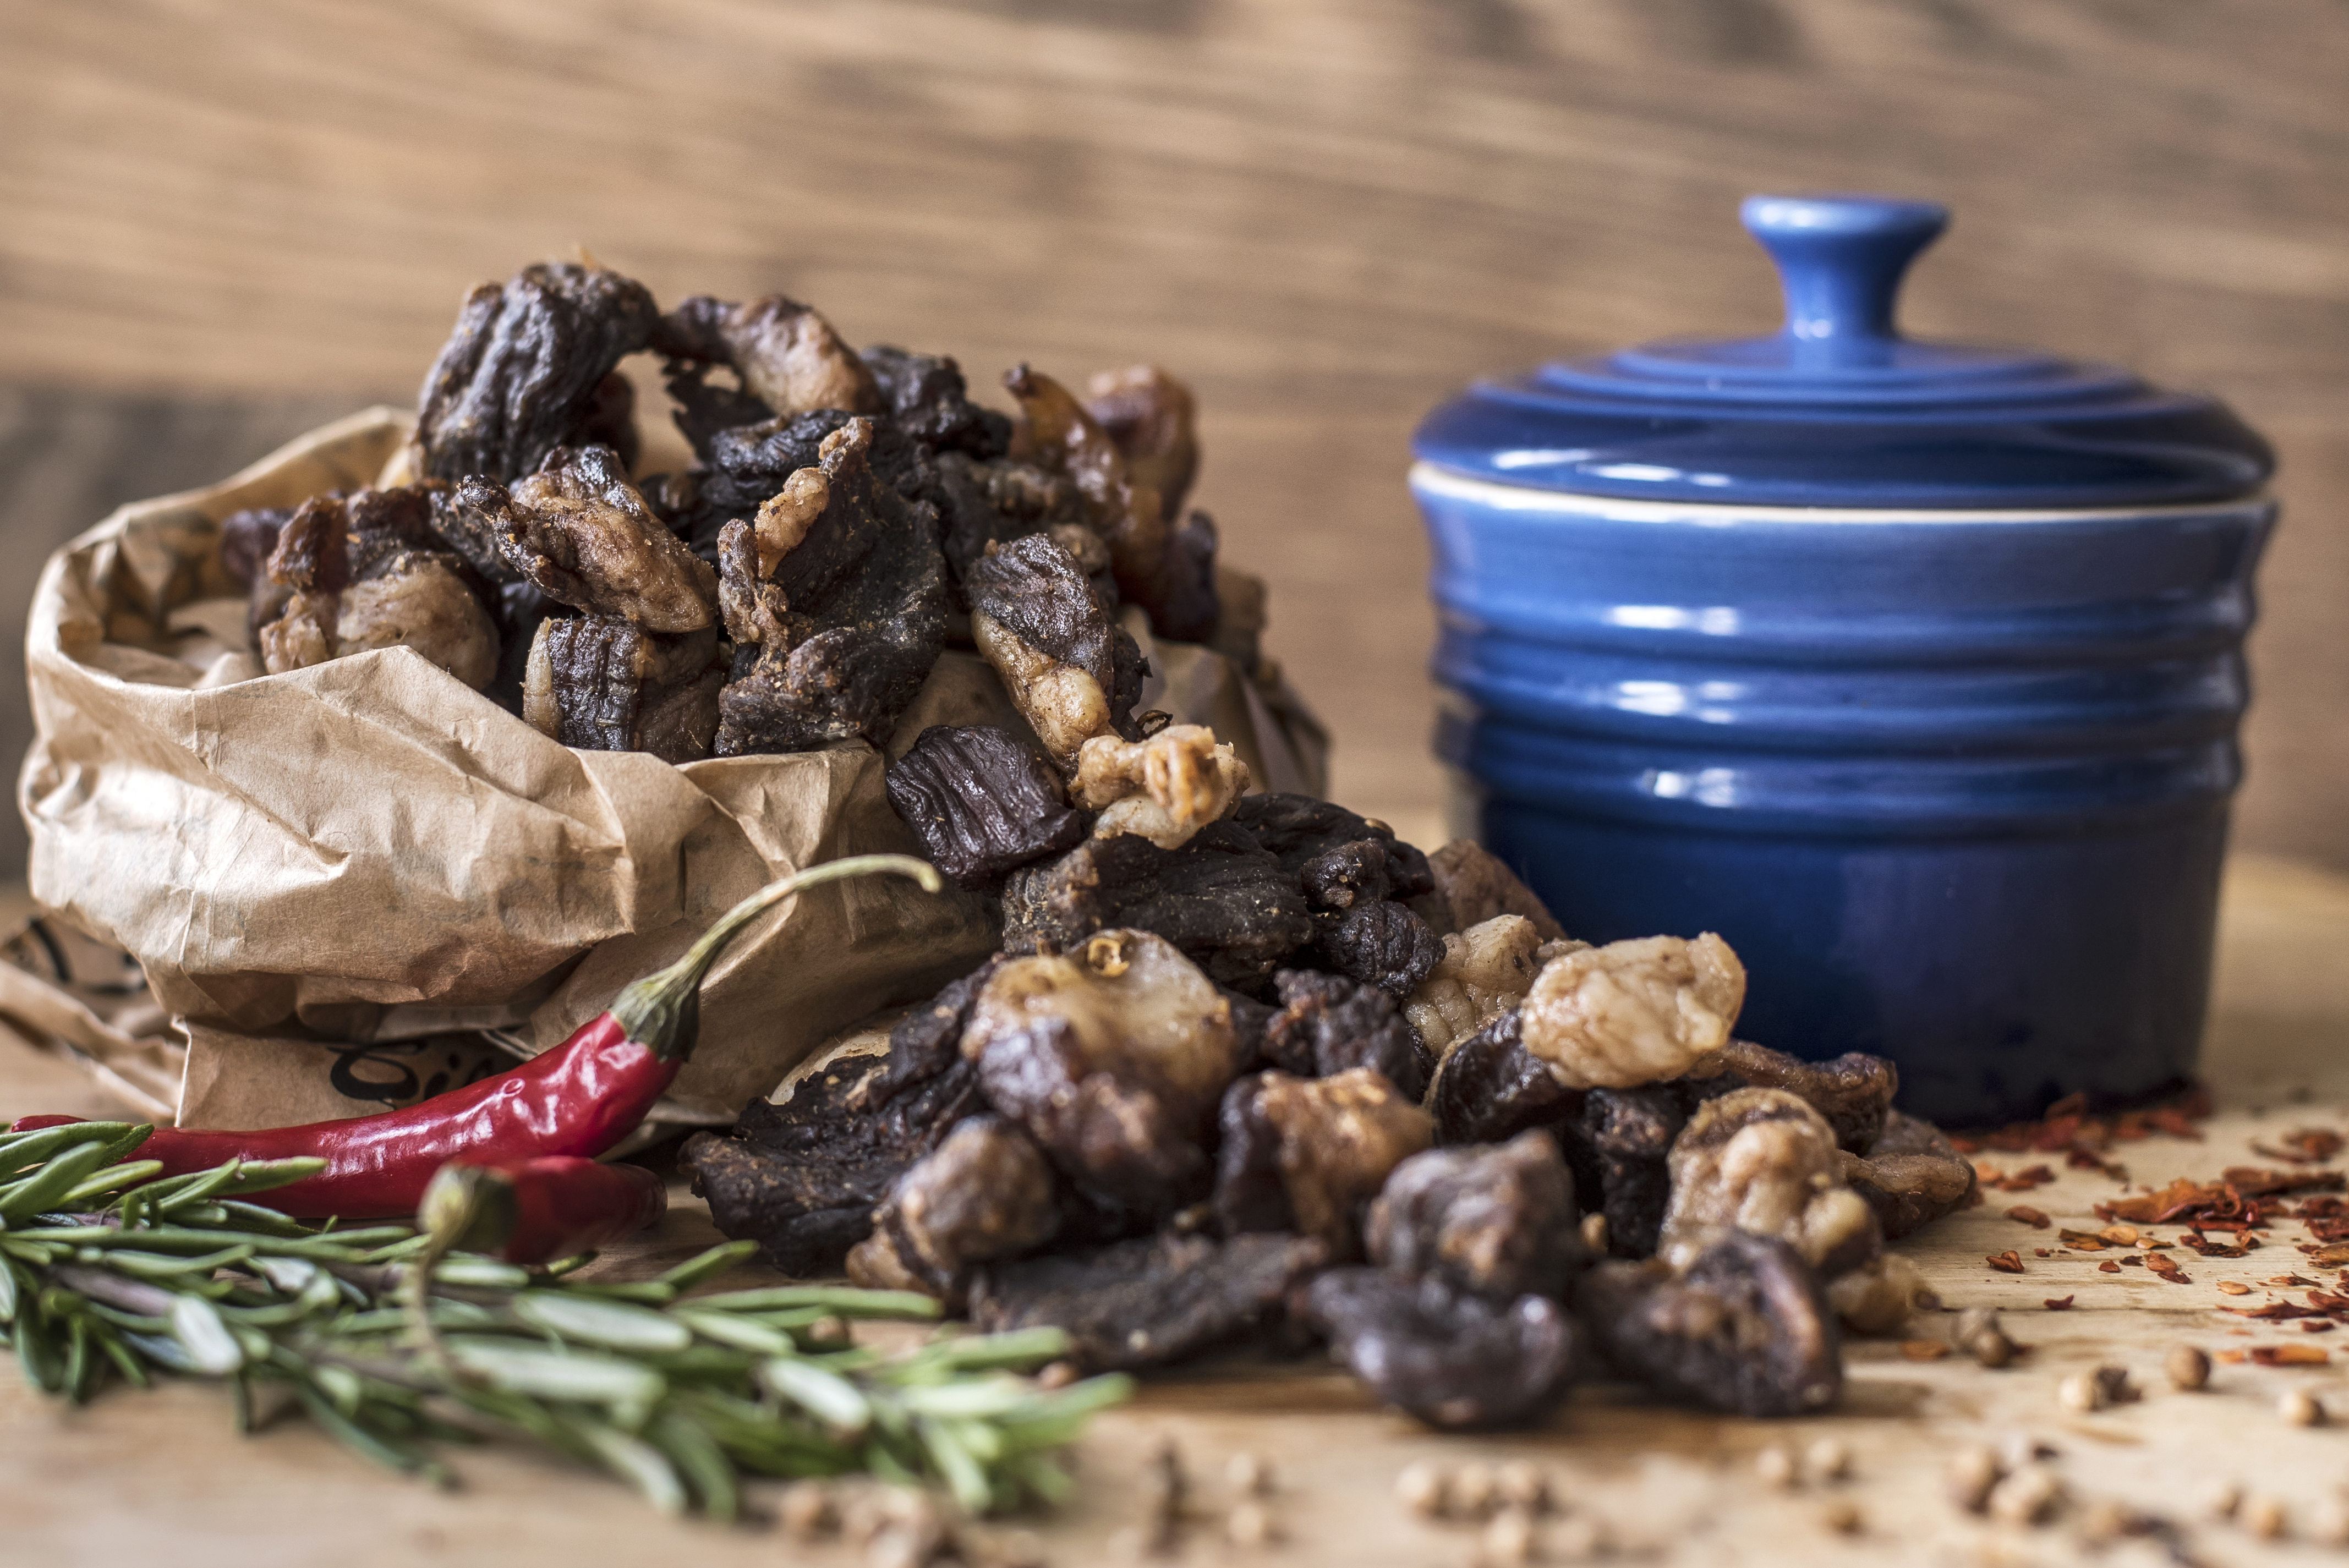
x,y
159,1475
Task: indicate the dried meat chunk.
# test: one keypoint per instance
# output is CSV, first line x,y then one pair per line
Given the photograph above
x,y
984,1193
1634,1012
344,581
836,602
1152,419
803,1177
602,683
583,535
1309,1154
1853,1091
1485,971
421,600
523,373
787,355
1497,1219
1301,831
982,802
1113,1058
1164,788
1071,671
1329,1024
1054,432
1449,1358
246,541
1762,1161
995,502
1621,1148
1911,1175
1472,885
1219,898
1383,944
1489,1087
380,525
1149,1301
1747,1329
926,398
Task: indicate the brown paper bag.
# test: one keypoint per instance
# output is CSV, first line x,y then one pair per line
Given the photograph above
x,y
366,851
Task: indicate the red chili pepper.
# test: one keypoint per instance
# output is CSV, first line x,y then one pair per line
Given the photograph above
x,y
536,1211
577,1100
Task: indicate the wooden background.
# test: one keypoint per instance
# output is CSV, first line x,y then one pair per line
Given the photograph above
x,y
220,222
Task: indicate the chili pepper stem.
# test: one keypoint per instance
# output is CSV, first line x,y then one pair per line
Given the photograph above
x,y
662,1011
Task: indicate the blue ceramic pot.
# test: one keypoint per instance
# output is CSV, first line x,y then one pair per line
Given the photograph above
x,y
1913,669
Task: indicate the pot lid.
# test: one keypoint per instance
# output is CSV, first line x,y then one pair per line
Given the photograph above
x,y
1838,408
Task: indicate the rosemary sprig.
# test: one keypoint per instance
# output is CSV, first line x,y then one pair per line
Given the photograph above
x,y
396,1348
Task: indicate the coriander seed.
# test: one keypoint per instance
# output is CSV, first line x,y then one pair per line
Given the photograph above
x,y
2188,1368
1424,1489
2300,1408
1775,1465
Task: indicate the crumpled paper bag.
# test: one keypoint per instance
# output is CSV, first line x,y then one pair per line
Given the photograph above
x,y
367,851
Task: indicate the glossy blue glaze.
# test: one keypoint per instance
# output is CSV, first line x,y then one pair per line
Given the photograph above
x,y
1948,767
1837,409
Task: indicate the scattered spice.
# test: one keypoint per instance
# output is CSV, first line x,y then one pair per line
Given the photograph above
x,y
1424,1489
2022,1181
1250,1526
1830,1459
2167,1267
2057,1304
2007,1262
1775,1466
2025,1213
2289,1354
2039,1252
1250,1475
2086,1241
1924,1349
1842,1516
2290,1280
1522,1484
2263,1517
2026,1497
2303,1146
2318,1328
2118,1235
1509,1540
2233,1288
1973,1471
2108,1267
2188,1368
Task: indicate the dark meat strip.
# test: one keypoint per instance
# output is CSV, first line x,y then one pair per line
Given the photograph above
x,y
984,503
1149,1301
580,532
522,374
982,802
1853,1091
787,355
247,538
1152,419
1056,434
1490,1089
1619,1148
1449,1358
1071,670
1911,1175
985,1194
1499,1220
1309,1154
602,683
835,634
1328,850
1473,886
1328,1023
1381,944
1746,1330
1219,898
926,395
384,525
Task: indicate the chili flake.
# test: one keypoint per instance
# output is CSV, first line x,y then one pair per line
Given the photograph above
x,y
2025,1215
2008,1262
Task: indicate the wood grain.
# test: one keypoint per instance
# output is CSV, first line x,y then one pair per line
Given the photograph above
x,y
153,1477
1326,212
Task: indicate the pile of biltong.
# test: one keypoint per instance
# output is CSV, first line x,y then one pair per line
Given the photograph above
x,y
848,515
1249,1065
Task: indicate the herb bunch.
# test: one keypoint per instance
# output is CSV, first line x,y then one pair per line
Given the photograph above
x,y
397,1346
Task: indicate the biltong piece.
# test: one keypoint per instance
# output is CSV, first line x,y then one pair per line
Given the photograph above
x,y
1499,1220
1762,1161
836,602
1309,1154
1381,944
1111,1058
601,683
788,358
1853,1091
581,533
926,398
986,1192
1621,1150
522,374
1328,1023
1911,1175
982,802
1745,1329
1445,1355
802,1178
1330,851
1219,898
1472,885
999,501
1072,672
1148,1301
1490,1087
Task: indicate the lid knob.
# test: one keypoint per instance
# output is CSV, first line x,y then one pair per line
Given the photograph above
x,y
1840,261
